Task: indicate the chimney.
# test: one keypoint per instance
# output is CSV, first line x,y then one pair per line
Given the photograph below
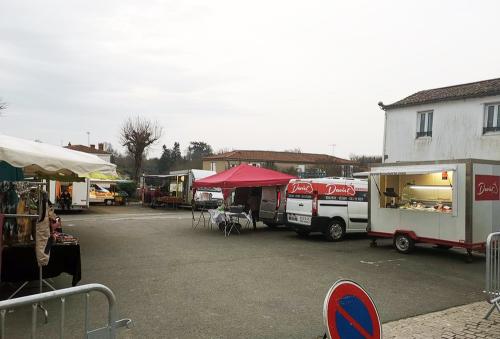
x,y
101,146
92,146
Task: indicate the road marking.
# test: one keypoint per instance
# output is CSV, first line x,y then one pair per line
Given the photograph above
x,y
376,263
130,217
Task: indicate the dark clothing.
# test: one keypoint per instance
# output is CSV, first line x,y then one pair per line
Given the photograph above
x,y
255,216
19,263
253,207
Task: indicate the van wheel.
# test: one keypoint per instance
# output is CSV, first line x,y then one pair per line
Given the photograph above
x,y
302,234
335,231
403,243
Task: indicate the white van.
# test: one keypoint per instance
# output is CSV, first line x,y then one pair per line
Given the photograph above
x,y
332,206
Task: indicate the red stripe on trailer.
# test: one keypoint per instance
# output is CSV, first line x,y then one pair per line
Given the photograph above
x,y
469,246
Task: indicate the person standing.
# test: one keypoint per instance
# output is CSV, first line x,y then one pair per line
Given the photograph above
x,y
253,207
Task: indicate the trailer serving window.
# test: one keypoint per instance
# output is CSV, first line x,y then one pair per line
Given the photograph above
x,y
430,191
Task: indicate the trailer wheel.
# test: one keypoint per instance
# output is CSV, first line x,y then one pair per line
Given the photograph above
x,y
404,243
335,231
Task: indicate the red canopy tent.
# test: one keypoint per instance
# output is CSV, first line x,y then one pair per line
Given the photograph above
x,y
244,176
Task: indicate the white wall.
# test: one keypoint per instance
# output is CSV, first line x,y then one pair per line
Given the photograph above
x,y
457,132
486,214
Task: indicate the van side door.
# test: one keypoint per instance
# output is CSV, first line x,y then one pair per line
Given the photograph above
x,y
268,203
358,207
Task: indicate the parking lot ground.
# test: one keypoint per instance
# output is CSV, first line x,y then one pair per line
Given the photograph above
x,y
177,282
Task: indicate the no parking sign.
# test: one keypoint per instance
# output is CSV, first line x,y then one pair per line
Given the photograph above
x,y
349,312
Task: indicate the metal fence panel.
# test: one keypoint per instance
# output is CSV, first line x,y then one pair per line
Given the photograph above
x,y
107,332
493,272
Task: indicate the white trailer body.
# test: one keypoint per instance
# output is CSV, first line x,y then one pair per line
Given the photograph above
x,y
203,197
79,193
448,203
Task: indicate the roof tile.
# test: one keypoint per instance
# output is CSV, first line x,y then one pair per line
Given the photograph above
x,y
456,92
274,156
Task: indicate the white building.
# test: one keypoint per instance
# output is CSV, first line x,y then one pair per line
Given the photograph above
x,y
455,122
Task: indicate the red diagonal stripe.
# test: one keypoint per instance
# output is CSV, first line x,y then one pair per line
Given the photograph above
x,y
353,322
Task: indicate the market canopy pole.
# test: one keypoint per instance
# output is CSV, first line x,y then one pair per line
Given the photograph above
x,y
52,161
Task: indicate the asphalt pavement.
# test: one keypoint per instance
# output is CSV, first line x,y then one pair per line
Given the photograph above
x,y
174,281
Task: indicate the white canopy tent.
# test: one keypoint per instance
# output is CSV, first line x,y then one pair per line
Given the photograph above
x,y
45,160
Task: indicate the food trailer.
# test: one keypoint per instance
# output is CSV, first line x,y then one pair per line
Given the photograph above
x,y
452,203
175,189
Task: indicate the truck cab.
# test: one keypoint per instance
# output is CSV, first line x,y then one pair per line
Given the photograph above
x,y
332,206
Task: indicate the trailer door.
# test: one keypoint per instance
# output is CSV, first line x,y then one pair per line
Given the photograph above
x,y
80,194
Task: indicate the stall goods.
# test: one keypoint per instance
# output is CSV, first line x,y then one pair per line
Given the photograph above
x,y
448,203
333,206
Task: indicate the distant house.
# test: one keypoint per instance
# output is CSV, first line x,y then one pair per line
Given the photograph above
x,y
454,122
99,151
304,164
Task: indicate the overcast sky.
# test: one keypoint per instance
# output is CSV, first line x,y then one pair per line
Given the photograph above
x,y
237,74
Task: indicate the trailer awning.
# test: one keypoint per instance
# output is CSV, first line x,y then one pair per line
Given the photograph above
x,y
416,169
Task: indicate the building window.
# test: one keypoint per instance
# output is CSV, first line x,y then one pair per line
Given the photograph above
x,y
424,124
491,118
213,166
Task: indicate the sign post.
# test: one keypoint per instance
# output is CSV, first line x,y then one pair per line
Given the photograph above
x,y
349,312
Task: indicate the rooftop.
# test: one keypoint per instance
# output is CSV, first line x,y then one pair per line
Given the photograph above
x,y
274,156
88,149
470,90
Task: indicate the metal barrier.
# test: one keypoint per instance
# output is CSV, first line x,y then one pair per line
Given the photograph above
x,y
108,331
493,272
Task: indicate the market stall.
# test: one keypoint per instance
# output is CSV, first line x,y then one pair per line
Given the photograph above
x,y
447,203
31,235
247,182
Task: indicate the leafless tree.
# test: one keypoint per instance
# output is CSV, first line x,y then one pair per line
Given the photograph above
x,y
137,135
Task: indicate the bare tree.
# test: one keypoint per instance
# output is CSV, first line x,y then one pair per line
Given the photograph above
x,y
137,135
